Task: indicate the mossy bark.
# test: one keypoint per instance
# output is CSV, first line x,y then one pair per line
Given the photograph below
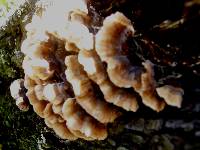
x,y
167,33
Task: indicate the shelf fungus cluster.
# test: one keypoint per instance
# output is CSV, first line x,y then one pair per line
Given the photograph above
x,y
77,80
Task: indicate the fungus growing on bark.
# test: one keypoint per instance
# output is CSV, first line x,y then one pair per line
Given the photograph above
x,y
97,73
18,91
76,80
172,95
85,94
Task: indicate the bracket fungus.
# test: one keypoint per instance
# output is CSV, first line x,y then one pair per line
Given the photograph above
x,y
18,91
77,80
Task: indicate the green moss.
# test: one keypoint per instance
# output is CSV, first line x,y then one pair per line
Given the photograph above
x,y
11,36
18,130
